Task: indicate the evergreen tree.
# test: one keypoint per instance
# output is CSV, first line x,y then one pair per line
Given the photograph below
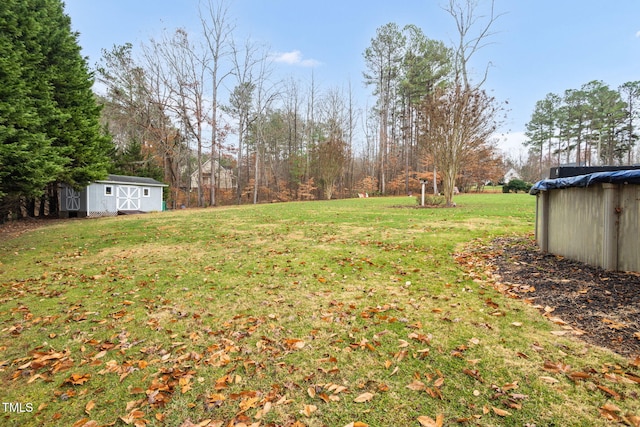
x,y
27,159
49,128
76,128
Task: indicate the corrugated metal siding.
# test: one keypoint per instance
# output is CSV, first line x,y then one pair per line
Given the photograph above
x,y
576,226
629,229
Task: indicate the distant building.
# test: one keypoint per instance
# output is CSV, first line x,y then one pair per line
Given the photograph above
x,y
110,196
511,174
223,176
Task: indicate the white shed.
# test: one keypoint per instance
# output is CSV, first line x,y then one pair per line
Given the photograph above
x,y
113,195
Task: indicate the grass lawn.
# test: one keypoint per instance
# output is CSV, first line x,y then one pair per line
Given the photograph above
x,y
350,312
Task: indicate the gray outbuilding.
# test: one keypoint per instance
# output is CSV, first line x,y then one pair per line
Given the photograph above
x,y
593,218
111,196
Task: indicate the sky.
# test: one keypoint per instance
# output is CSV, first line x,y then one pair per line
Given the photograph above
x,y
538,47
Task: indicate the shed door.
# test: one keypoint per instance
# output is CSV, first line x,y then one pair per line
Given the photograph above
x,y
73,200
128,198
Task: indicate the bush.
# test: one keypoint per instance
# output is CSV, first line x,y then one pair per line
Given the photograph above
x,y
516,185
431,200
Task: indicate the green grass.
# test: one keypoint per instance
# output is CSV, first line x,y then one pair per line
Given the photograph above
x,y
285,314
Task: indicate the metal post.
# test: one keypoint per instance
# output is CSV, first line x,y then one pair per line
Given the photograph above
x,y
423,182
542,223
610,227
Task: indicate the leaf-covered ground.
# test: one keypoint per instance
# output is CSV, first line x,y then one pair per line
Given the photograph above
x,y
603,307
342,313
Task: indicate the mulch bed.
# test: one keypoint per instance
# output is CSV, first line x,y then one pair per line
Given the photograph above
x,y
605,305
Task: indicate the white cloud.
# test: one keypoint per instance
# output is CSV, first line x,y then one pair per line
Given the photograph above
x,y
638,34
294,58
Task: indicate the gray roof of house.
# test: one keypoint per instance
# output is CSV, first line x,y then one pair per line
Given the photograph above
x,y
123,179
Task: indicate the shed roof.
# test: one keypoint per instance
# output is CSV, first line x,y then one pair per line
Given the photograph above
x,y
139,180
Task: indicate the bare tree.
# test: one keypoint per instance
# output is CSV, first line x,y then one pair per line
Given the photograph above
x,y
474,30
330,154
330,158
180,63
458,121
460,118
245,60
139,113
265,94
217,35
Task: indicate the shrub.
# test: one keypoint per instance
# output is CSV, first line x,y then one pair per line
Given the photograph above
x,y
431,200
516,185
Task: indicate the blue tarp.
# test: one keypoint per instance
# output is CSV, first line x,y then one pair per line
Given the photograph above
x,y
617,177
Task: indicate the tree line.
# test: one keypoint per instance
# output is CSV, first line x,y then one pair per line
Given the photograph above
x,y
159,111
593,125
293,140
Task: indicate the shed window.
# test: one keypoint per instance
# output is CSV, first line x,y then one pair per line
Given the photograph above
x,y
146,192
108,190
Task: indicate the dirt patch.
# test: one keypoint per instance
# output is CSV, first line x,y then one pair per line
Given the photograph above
x,y
605,305
11,229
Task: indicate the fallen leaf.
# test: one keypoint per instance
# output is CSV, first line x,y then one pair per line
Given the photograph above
x,y
473,373
311,391
500,412
85,423
610,411
78,379
416,385
308,410
426,421
575,376
610,392
549,380
89,406
632,420
364,397
614,324
633,378
294,344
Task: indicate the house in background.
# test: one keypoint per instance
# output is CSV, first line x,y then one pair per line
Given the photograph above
x,y
511,174
113,195
224,176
